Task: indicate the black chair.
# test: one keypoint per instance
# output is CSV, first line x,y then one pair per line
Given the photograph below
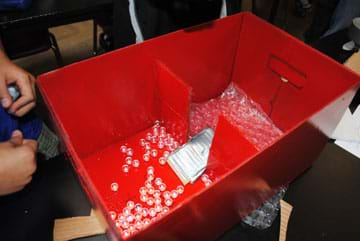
x,y
22,43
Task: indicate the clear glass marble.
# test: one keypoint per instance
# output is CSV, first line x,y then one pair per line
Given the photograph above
x,y
157,123
151,190
147,147
150,201
126,211
168,202
128,160
129,152
145,212
125,168
167,195
165,209
157,200
138,216
126,233
161,144
146,222
123,149
204,178
114,186
136,163
125,224
112,215
155,130
158,181
142,142
175,145
143,198
138,207
154,152
150,170
158,208
146,157
138,224
174,194
118,223
150,177
148,184
157,193
166,154
130,204
180,189
121,217
162,129
132,229
152,212
162,187
148,136
143,190
130,218
162,161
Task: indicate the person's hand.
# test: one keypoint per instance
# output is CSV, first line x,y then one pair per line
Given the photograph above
x,y
17,163
25,82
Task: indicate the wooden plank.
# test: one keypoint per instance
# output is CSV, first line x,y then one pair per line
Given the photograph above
x,y
285,213
77,227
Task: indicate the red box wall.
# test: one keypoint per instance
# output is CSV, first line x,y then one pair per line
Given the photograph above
x,y
105,100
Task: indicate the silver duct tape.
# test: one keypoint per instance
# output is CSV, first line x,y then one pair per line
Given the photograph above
x,y
190,160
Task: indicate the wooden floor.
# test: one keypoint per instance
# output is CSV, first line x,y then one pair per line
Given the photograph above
x,y
75,42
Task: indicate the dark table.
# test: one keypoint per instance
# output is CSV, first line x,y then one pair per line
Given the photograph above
x,y
44,14
50,13
326,199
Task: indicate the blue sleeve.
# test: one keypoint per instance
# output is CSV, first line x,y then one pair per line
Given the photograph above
x,y
30,125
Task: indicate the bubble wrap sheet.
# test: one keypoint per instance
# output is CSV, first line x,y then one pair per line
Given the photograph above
x,y
256,126
241,111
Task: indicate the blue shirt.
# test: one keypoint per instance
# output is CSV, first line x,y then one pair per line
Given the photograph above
x,y
29,125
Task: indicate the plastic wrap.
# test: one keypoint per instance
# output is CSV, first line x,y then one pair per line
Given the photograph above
x,y
241,111
257,127
264,216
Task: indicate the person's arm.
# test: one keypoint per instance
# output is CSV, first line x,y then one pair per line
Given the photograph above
x,y
18,155
17,163
10,74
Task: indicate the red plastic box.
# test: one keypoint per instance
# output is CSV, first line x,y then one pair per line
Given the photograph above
x,y
111,99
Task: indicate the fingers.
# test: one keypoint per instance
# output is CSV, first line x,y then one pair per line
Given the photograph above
x,y
26,85
25,109
16,138
31,143
5,97
21,185
26,181
28,159
33,82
